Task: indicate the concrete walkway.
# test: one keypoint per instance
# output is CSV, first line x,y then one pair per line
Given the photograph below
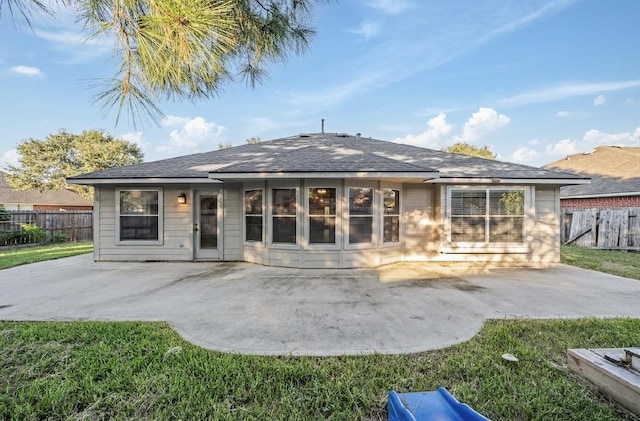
x,y
253,309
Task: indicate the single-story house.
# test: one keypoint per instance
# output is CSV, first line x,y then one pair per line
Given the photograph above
x,y
615,178
328,200
63,199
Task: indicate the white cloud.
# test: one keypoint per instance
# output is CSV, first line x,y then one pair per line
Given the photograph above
x,y
196,132
482,122
174,120
562,147
27,71
77,46
391,7
133,137
566,91
523,155
336,94
534,142
437,131
563,114
367,29
595,137
10,157
599,100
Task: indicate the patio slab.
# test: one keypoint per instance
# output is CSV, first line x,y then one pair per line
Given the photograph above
x,y
253,309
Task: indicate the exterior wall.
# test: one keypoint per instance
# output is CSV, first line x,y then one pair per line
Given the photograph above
x,y
541,230
17,206
601,202
421,229
231,222
545,245
177,243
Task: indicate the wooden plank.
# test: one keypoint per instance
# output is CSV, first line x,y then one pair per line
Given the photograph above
x,y
616,382
575,237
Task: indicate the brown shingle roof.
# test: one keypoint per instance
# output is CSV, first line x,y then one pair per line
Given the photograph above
x,y
64,197
613,170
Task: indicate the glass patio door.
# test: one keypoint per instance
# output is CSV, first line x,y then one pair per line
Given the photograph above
x,y
206,228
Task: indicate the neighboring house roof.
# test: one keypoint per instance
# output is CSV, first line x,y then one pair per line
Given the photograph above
x,y
614,171
318,154
55,197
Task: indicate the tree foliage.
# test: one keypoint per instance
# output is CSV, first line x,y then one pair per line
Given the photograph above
x,y
471,150
45,164
253,140
185,49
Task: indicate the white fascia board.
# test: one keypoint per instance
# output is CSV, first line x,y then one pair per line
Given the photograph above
x,y
497,180
351,174
596,195
131,181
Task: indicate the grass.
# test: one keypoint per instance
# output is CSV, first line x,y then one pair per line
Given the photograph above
x,y
619,263
130,370
11,257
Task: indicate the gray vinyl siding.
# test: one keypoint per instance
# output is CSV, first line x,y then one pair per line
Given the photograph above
x,y
420,240
545,244
177,243
232,222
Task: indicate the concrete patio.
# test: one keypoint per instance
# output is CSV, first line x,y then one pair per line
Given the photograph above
x,y
246,308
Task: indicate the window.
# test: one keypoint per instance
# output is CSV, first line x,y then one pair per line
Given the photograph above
x,y
284,216
391,204
487,216
322,215
360,215
139,215
253,211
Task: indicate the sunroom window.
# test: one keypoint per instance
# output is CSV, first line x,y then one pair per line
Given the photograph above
x,y
487,216
284,216
391,204
253,215
322,215
139,215
360,215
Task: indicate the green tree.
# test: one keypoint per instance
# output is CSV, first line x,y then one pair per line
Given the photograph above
x,y
471,150
45,164
253,140
184,49
224,145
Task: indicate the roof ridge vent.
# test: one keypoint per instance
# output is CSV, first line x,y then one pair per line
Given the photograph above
x,y
304,135
342,134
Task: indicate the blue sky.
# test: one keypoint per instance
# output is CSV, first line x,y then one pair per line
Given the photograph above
x,y
535,80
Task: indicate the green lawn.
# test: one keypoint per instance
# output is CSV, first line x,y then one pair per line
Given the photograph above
x,y
619,263
128,370
10,257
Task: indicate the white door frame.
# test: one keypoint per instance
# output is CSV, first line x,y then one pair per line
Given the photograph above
x,y
207,254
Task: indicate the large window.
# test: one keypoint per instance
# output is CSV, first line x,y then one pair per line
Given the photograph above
x,y
253,215
360,215
391,204
322,215
284,216
139,215
487,216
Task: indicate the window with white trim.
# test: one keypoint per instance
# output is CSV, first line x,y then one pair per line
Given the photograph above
x,y
391,215
322,215
139,215
253,215
284,214
487,216
360,215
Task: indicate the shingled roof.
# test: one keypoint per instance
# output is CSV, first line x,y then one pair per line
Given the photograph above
x,y
320,153
62,198
614,170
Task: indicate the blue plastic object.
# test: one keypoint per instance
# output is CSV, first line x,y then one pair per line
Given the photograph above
x,y
438,405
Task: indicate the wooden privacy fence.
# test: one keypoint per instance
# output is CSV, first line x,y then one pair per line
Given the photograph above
x,y
74,225
610,229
